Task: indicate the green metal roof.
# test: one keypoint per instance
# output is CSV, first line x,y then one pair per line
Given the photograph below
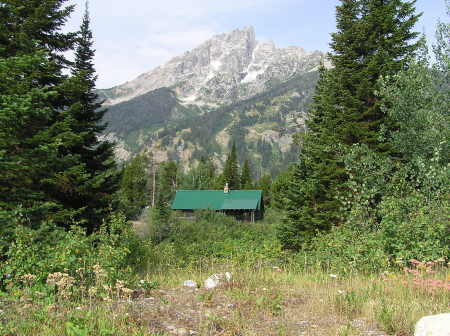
x,y
217,200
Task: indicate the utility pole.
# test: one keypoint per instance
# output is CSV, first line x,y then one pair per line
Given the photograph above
x,y
154,185
153,171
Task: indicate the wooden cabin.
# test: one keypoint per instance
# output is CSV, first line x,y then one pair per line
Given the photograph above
x,y
242,204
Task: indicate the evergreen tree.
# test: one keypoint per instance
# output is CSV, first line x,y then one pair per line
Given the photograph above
x,y
160,225
97,165
30,25
373,40
168,176
35,131
265,184
231,169
30,142
279,187
201,177
246,176
134,186
207,173
55,167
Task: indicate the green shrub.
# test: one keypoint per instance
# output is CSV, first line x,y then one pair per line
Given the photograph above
x,y
161,222
215,237
49,249
119,250
345,249
413,229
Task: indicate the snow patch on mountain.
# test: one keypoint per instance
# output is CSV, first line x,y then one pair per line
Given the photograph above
x,y
227,68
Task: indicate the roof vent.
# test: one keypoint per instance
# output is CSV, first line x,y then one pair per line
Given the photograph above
x,y
226,189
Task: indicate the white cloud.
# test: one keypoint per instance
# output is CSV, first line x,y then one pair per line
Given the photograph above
x,y
134,36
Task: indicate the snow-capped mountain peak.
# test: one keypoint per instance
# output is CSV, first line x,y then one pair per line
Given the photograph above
x,y
226,68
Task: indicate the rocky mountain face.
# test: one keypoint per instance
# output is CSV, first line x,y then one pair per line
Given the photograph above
x,y
230,88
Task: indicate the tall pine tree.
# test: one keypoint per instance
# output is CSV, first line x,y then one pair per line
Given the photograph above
x,y
97,177
55,168
374,39
35,131
133,194
246,176
30,25
231,170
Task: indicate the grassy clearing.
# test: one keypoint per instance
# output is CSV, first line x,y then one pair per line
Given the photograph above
x,y
264,301
339,289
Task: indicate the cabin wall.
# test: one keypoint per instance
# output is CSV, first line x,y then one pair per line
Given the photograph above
x,y
240,215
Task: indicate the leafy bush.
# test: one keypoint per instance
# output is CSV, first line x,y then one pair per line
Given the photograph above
x,y
161,222
413,229
215,237
409,229
50,249
345,249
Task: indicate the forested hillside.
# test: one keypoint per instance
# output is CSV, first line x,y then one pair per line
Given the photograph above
x,y
263,126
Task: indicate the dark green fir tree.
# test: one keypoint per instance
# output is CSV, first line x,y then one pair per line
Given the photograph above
x,y
35,131
54,168
246,176
133,194
231,169
98,177
374,39
168,177
30,25
265,184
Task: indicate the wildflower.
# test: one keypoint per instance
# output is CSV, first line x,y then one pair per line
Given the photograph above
x,y
99,272
63,282
28,279
92,291
120,284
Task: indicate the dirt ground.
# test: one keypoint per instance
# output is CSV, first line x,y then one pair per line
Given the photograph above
x,y
236,310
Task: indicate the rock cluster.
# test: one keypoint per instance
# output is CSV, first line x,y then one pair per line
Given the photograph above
x,y
215,280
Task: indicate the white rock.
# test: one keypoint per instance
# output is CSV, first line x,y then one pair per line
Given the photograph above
x,y
190,284
217,279
211,283
180,332
433,325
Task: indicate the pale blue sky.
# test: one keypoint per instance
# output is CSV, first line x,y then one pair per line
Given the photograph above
x,y
134,36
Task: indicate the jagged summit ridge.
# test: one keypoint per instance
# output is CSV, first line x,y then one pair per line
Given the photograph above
x,y
226,68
